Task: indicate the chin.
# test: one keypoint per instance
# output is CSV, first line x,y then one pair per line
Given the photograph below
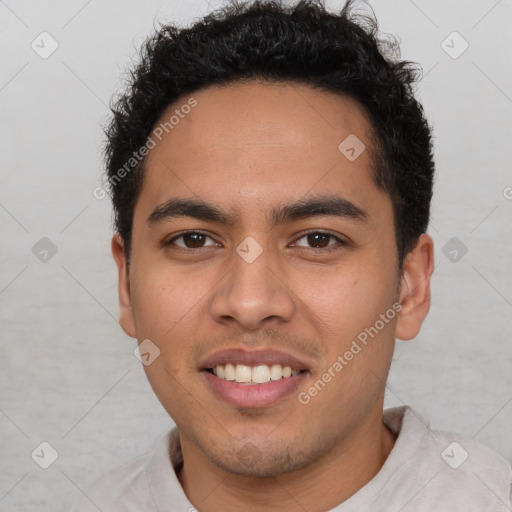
x,y
264,461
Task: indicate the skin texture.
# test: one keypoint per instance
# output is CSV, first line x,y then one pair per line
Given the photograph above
x,y
248,148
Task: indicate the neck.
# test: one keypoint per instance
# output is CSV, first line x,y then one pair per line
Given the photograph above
x,y
322,485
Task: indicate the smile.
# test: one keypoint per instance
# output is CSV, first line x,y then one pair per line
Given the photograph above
x,y
259,374
252,378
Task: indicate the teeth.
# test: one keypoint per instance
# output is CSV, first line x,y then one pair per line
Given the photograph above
x,y
260,374
243,373
229,372
276,372
253,375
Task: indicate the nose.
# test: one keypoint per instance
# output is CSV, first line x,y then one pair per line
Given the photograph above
x,y
253,294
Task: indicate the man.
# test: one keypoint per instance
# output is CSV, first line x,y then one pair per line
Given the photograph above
x,y
271,174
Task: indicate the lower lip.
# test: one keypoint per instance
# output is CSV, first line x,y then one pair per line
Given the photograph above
x,y
253,395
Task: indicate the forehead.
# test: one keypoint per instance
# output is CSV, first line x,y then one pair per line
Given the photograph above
x,y
256,143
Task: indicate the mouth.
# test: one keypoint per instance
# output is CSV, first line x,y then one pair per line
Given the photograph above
x,y
252,379
252,375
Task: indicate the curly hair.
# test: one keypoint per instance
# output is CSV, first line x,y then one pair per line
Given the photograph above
x,y
302,43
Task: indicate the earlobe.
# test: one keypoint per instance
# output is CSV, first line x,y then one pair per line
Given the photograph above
x,y
126,319
415,288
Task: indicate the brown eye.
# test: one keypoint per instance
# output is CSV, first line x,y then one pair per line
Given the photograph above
x,y
191,240
319,240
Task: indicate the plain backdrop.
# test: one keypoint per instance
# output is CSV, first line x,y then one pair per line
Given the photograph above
x,y
68,376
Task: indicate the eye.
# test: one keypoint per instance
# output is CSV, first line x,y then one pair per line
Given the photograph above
x,y
191,240
320,240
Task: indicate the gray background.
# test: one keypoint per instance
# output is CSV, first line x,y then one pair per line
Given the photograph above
x,y
67,372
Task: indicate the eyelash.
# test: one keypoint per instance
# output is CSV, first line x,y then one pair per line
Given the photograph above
x,y
327,249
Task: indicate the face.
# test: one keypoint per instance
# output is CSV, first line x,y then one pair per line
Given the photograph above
x,y
258,243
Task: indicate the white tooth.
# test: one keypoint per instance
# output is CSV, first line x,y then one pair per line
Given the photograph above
x,y
214,371
287,371
229,372
243,373
261,374
276,372
295,372
220,371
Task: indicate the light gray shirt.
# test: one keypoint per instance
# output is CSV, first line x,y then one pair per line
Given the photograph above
x,y
426,471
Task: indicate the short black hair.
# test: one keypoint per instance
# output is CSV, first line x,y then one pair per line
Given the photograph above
x,y
300,43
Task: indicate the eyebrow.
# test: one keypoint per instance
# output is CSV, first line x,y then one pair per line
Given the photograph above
x,y
302,209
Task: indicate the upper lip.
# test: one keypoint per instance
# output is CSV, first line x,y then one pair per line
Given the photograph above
x,y
252,358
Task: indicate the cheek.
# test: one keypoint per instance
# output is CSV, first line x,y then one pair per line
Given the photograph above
x,y
165,311
347,307
336,301
169,308
162,295
347,299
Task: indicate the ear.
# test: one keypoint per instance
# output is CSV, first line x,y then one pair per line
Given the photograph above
x,y
126,319
415,288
